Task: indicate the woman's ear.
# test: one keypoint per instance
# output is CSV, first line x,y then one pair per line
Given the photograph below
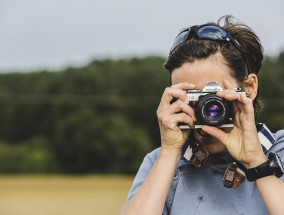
x,y
250,86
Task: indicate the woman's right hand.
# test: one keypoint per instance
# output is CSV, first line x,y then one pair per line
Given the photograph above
x,y
170,114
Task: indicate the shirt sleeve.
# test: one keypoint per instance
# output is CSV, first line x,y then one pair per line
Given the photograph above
x,y
278,145
142,174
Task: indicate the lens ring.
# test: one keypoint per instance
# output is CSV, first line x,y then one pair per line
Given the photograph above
x,y
212,110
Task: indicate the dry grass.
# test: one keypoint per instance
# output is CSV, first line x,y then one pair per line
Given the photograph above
x,y
60,195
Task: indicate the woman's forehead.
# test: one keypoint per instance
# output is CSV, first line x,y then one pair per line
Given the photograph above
x,y
201,72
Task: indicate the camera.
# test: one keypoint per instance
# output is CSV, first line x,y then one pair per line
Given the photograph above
x,y
209,108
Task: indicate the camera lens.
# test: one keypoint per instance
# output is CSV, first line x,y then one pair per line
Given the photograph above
x,y
212,110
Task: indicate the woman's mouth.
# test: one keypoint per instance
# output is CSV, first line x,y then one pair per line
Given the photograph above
x,y
203,133
201,136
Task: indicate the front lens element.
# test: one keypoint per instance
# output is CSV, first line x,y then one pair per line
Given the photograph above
x,y
213,111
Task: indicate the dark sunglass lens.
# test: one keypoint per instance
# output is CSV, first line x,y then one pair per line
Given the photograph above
x,y
212,32
181,38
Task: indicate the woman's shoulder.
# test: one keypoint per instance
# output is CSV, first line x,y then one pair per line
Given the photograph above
x,y
278,145
279,136
153,155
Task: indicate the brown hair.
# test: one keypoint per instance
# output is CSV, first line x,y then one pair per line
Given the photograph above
x,y
201,49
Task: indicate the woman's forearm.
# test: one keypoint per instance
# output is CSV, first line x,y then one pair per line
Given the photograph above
x,y
271,189
151,197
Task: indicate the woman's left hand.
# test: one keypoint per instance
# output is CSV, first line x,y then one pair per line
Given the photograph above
x,y
242,141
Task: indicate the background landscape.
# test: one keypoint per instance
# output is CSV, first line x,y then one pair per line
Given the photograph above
x,y
80,82
75,130
99,118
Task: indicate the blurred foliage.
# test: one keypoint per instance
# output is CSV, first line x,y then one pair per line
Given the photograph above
x,y
272,92
100,118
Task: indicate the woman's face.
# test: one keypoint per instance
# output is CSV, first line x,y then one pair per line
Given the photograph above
x,y
200,73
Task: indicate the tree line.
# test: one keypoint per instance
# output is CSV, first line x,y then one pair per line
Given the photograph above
x,y
98,118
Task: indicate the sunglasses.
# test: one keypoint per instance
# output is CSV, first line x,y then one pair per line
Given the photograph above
x,y
208,32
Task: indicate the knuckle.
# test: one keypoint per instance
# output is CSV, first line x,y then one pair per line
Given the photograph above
x,y
160,114
167,90
186,118
159,111
165,122
179,103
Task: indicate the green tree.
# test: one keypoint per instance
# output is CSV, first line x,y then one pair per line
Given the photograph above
x,y
89,142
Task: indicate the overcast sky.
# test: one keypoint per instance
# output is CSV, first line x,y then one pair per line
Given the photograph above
x,y
56,33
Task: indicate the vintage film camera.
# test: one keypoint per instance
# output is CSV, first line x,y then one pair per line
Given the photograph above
x,y
209,108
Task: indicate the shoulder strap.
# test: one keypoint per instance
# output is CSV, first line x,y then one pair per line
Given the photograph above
x,y
264,134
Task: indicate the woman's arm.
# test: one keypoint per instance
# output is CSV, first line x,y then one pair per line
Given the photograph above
x,y
244,145
271,189
151,197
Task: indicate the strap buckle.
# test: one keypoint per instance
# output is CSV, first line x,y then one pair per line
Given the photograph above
x,y
233,176
200,156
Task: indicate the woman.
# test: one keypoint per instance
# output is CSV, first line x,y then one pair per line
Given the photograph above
x,y
186,174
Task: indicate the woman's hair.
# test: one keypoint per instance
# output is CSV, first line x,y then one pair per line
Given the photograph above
x,y
194,49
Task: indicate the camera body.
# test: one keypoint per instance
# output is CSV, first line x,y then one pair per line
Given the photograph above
x,y
209,108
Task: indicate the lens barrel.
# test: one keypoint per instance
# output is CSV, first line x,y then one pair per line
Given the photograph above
x,y
212,110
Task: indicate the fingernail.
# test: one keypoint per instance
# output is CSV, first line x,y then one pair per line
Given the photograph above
x,y
220,93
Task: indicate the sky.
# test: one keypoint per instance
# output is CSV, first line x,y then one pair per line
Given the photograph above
x,y
53,34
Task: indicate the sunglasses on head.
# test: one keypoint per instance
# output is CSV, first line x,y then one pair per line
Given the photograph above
x,y
208,32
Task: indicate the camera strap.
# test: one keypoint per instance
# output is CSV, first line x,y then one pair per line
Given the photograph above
x,y
199,155
196,154
234,175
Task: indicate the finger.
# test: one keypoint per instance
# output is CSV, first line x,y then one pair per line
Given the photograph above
x,y
240,103
229,95
171,93
184,118
172,121
236,109
247,105
183,86
236,104
180,106
176,91
228,85
225,91
216,133
243,103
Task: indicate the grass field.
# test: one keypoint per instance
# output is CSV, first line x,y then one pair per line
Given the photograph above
x,y
63,195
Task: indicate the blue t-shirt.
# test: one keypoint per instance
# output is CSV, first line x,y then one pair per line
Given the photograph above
x,y
200,191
